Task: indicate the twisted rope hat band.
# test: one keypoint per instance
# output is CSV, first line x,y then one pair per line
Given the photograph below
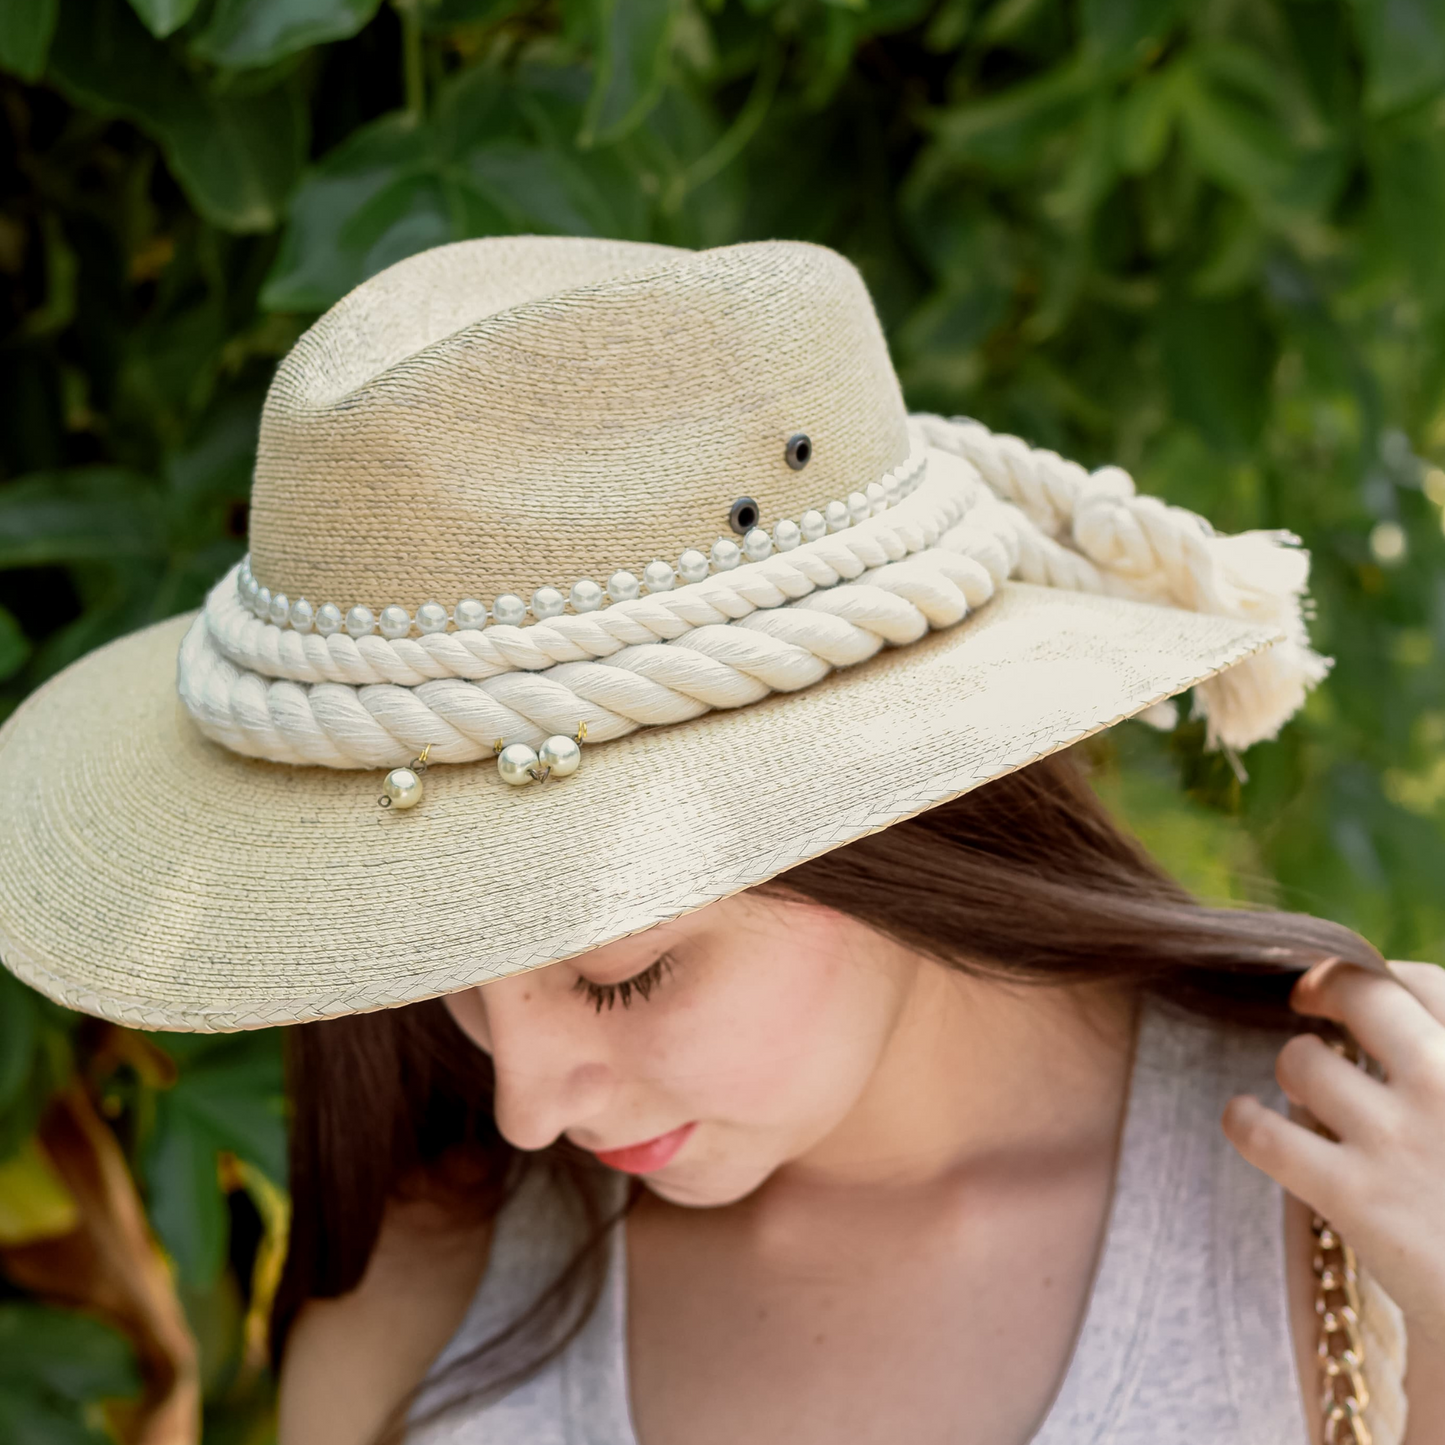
x,y
268,692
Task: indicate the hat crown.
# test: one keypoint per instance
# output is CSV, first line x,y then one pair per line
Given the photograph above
x,y
503,414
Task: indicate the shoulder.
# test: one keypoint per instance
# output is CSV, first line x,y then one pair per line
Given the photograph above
x,y
350,1361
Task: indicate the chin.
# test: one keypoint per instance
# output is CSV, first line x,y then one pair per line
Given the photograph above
x,y
706,1187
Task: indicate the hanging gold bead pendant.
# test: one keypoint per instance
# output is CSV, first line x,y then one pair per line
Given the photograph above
x,y
402,787
559,756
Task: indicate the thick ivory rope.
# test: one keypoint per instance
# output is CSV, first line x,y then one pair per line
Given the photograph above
x,y
1154,552
907,528
770,626
643,684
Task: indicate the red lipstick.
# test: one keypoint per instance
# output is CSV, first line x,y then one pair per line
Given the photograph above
x,y
648,1156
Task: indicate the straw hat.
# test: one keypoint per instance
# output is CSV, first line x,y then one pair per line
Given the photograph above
x,y
657,524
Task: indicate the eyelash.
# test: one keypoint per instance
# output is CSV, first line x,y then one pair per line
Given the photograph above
x,y
602,995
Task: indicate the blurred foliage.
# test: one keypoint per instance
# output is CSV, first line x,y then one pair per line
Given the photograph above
x,y
1200,240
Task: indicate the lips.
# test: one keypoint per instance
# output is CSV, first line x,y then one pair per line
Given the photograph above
x,y
648,1156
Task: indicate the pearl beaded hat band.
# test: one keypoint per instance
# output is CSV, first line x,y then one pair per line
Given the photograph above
x,y
528,497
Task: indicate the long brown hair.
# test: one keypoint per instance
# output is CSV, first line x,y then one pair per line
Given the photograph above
x,y
1027,879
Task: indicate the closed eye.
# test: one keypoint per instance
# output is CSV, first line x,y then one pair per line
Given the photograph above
x,y
642,984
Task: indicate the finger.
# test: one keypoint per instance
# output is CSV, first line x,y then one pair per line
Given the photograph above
x,y
1301,1161
1342,1096
1426,981
1388,1020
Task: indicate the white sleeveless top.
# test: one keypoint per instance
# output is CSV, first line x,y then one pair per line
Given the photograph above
x,y
1186,1335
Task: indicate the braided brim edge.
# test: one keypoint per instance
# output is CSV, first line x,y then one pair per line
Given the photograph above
x,y
151,877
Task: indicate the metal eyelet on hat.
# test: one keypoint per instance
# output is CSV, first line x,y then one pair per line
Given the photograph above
x,y
799,451
743,516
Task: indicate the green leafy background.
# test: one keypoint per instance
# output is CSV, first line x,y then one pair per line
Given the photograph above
x,y
1201,240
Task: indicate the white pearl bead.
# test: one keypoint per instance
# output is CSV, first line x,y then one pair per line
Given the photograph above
x,y
403,787
360,622
859,506
622,586
786,535
659,576
548,602
515,763
395,623
812,525
261,605
877,497
328,619
561,755
509,609
280,608
893,489
302,615
692,565
470,614
431,617
585,596
837,517
757,544
725,554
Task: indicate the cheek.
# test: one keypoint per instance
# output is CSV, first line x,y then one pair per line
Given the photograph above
x,y
779,1044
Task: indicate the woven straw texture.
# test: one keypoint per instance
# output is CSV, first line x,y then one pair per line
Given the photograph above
x,y
151,876
464,429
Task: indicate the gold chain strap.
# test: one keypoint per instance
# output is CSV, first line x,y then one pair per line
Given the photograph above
x,y
1341,1349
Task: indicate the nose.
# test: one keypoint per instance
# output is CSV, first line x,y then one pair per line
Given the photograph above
x,y
550,1071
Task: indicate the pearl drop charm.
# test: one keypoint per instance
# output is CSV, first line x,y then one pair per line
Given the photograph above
x,y
395,623
470,614
560,755
757,545
585,596
516,763
812,524
622,586
509,609
360,622
692,565
402,788
328,619
431,617
548,602
659,576
725,554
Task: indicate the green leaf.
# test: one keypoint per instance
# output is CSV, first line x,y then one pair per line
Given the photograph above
x,y
236,154
1009,133
497,158
632,64
96,513
248,33
1125,27
26,29
1404,42
19,1034
67,1354
1144,122
14,645
164,17
1407,156
30,1417
187,1206
1219,356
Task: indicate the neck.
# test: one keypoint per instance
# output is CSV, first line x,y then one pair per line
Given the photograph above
x,y
977,1073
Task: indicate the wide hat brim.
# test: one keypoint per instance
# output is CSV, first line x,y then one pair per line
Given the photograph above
x,y
152,877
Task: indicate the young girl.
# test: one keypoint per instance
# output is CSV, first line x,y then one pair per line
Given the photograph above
x,y
792,1046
